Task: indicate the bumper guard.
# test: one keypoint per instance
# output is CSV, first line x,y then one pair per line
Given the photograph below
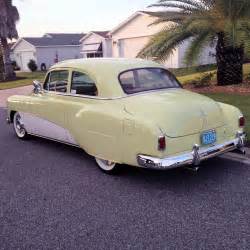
x,y
195,156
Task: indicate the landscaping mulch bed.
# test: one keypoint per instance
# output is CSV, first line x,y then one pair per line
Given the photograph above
x,y
243,89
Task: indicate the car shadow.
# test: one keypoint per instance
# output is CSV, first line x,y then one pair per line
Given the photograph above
x,y
211,172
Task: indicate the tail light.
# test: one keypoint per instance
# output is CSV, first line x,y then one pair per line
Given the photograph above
x,y
242,121
161,143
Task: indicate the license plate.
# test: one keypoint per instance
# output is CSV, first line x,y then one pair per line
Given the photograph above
x,y
208,137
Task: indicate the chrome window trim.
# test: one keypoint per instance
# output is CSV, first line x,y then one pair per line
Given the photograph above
x,y
49,74
71,82
109,98
141,68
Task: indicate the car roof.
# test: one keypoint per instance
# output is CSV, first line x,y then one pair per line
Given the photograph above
x,y
105,71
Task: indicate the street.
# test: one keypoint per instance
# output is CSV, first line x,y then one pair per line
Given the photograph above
x,y
53,196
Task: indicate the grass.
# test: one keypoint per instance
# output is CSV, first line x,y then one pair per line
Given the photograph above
x,y
185,76
192,70
23,79
242,102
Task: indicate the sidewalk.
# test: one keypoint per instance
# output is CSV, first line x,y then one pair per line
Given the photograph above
x,y
4,94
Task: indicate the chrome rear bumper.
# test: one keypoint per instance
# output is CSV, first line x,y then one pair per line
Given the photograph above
x,y
194,157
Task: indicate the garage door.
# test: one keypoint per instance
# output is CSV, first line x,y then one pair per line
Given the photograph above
x,y
25,58
131,47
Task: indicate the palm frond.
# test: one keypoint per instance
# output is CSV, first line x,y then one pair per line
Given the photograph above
x,y
8,18
181,7
201,20
197,44
163,44
167,16
195,4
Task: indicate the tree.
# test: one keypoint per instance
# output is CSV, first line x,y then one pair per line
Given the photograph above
x,y
224,23
8,18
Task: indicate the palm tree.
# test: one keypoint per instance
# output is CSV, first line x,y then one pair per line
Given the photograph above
x,y
224,23
8,18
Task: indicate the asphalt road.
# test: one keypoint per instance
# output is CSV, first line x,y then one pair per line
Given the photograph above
x,y
53,196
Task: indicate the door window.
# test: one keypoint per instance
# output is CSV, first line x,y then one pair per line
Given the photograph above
x,y
82,84
57,81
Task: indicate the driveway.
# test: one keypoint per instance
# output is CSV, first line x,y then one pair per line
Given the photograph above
x,y
53,196
4,94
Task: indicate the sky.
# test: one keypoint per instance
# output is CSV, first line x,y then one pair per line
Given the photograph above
x,y
38,17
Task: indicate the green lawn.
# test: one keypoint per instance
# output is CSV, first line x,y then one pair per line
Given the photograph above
x,y
194,69
23,79
185,76
242,102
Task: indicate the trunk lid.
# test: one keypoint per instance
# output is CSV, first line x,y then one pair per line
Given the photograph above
x,y
177,112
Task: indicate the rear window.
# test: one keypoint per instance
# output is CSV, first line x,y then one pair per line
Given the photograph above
x,y
146,79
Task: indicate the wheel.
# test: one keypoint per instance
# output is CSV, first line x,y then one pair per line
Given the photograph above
x,y
107,167
19,126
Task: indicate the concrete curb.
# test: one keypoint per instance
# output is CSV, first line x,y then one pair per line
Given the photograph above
x,y
244,159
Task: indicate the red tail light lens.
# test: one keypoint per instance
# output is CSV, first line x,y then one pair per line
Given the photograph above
x,y
242,121
161,143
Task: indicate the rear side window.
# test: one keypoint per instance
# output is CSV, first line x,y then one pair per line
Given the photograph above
x,y
145,79
57,81
82,84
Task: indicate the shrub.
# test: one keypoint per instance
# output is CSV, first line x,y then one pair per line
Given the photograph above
x,y
247,78
15,66
204,80
32,65
193,69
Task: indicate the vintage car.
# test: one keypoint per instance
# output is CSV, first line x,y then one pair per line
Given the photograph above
x,y
127,111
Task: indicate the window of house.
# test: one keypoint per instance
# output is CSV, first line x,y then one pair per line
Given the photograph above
x,y
82,84
57,81
94,55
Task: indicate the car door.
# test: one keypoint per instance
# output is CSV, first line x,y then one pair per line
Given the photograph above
x,y
48,119
91,118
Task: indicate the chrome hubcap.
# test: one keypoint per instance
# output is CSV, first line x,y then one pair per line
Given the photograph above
x,y
19,127
105,164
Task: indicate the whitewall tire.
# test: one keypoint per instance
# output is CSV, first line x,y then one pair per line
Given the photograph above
x,y
106,166
19,126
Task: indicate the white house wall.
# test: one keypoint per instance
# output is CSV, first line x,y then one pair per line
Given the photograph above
x,y
139,26
47,55
23,53
205,57
94,39
129,39
107,48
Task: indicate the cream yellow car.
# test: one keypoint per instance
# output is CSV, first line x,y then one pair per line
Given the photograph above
x,y
127,111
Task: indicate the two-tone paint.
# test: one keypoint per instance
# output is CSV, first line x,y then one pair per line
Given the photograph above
x,y
118,127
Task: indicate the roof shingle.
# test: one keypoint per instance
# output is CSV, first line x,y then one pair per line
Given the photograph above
x,y
55,39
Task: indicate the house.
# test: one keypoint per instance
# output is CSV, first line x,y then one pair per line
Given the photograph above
x,y
130,36
46,50
124,40
134,33
96,44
